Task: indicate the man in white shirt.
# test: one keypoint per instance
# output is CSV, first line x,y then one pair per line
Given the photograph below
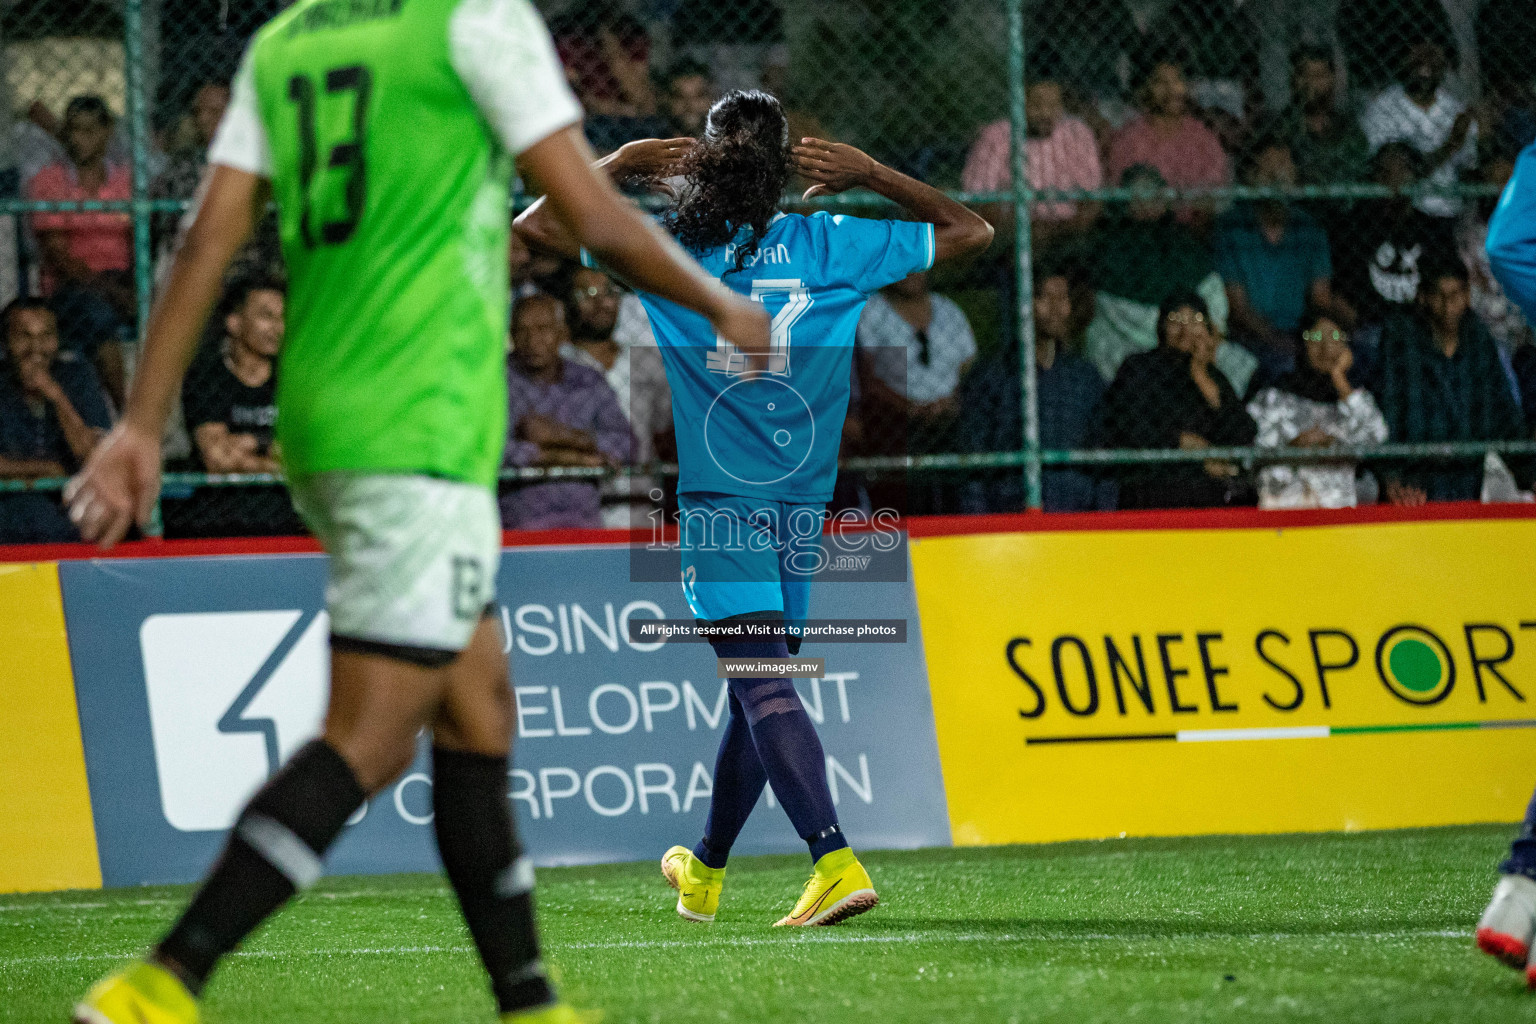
x,y
612,334
1421,112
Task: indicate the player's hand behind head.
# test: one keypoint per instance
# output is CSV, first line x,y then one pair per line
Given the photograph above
x,y
834,166
117,486
651,159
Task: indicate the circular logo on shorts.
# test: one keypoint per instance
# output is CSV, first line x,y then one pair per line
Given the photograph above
x,y
733,430
1415,665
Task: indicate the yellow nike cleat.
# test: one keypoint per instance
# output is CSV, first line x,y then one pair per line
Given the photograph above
x,y
698,885
838,889
554,1013
141,993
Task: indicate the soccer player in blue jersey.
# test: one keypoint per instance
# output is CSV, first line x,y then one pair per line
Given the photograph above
x,y
758,439
1508,926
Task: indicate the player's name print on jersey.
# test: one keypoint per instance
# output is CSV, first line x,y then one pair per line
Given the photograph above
x,y
773,254
328,14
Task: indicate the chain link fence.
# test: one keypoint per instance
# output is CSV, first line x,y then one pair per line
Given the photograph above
x,y
1242,265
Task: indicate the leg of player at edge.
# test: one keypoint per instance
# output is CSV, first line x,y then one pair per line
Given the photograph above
x,y
379,703
1507,930
769,738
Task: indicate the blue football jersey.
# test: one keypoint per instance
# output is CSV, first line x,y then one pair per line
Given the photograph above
x,y
776,435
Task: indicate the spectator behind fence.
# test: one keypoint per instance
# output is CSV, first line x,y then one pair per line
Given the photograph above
x,y
1494,308
1176,397
612,335
229,405
1273,258
86,257
229,398
185,167
917,345
52,414
1167,136
1316,406
1067,391
1061,154
1380,250
1420,111
1143,256
1441,379
559,413
607,53
688,93
1327,146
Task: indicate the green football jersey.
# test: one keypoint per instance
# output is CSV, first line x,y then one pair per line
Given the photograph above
x,y
388,128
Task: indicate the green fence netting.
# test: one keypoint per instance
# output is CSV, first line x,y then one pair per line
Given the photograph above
x,y
1238,256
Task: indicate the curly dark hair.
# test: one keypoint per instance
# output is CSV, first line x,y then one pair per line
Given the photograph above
x,y
735,175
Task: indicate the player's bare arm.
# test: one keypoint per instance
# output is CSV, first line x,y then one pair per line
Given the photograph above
x,y
837,167
120,481
645,159
595,216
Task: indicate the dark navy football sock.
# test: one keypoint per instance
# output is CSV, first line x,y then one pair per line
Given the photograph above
x,y
739,781
489,873
273,851
1522,852
787,745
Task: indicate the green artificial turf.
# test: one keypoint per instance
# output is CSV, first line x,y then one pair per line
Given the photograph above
x,y
1359,927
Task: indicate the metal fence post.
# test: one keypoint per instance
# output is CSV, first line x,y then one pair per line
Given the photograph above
x,y
1023,270
138,136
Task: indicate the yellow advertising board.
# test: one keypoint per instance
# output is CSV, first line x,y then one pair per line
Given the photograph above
x,y
1178,682
47,838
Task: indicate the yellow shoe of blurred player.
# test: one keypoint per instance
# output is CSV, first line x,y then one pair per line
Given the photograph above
x,y
141,993
838,889
555,1013
698,885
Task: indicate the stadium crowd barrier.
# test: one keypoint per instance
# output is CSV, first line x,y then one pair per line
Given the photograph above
x,y
1062,677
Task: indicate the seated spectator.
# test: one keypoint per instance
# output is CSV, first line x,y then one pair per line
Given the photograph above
x,y
559,413
1144,255
1441,379
1274,261
185,167
1327,146
1420,111
1168,137
1316,406
612,335
229,405
52,415
1176,397
229,397
1067,391
1501,316
687,95
915,346
86,257
607,54
1061,153
1379,250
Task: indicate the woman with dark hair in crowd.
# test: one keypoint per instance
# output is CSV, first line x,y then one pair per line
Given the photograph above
x,y
1316,406
1175,397
758,438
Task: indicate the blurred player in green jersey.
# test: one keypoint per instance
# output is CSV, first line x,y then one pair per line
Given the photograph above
x,y
386,131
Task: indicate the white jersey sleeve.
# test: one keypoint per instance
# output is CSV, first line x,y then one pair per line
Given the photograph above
x,y
502,52
241,141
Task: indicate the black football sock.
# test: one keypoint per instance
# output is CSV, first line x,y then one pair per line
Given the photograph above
x,y
490,875
739,781
273,851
